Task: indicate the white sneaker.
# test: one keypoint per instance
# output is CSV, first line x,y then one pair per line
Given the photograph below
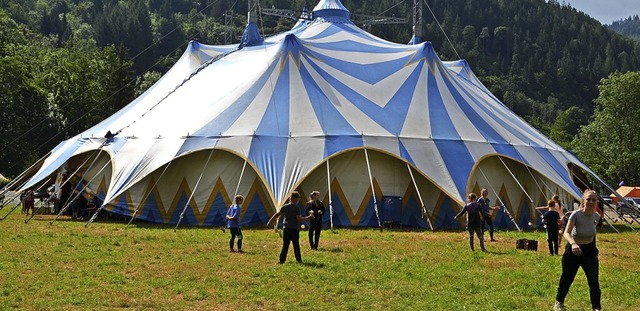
x,y
559,306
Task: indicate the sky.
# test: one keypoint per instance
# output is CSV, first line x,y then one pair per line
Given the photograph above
x,y
606,11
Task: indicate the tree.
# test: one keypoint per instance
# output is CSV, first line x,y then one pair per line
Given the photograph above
x,y
610,144
21,110
567,125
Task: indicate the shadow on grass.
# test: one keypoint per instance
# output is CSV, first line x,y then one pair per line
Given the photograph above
x,y
312,264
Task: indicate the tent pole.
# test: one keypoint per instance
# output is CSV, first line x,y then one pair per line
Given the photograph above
x,y
373,191
516,180
146,195
424,209
537,184
240,179
22,203
519,184
194,190
506,209
330,202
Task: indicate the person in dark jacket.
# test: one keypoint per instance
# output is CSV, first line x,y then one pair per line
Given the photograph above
x,y
315,207
485,205
474,220
550,220
291,231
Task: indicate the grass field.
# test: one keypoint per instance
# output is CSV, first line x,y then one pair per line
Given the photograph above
x,y
149,267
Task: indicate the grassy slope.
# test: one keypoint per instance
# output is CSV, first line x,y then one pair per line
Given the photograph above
x,y
68,266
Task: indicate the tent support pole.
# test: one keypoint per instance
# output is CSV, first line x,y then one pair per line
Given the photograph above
x,y
194,191
373,191
330,202
424,209
518,182
240,179
506,209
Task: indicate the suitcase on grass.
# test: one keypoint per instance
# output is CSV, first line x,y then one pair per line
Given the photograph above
x,y
529,245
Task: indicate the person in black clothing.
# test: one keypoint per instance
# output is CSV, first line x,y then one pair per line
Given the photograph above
x,y
550,220
316,208
291,232
78,205
474,220
485,203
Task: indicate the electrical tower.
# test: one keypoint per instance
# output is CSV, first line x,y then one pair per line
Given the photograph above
x,y
228,26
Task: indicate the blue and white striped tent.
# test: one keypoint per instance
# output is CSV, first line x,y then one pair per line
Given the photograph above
x,y
385,131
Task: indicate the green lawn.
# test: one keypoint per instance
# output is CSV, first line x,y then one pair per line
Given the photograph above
x,y
149,267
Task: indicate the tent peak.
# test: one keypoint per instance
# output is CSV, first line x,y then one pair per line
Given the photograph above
x,y
328,9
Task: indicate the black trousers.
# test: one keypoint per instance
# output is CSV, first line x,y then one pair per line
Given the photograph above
x,y
314,234
235,232
588,260
488,221
552,240
290,235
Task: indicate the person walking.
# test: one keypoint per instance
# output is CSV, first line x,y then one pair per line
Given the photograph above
x,y
233,223
474,220
291,232
581,251
485,205
315,207
550,220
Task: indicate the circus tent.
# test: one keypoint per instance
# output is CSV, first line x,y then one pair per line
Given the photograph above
x,y
385,131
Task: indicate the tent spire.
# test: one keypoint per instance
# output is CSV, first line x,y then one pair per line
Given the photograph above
x,y
331,10
251,35
417,22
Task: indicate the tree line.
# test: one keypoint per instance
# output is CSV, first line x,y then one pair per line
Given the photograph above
x,y
68,64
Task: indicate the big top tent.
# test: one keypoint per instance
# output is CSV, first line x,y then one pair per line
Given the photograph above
x,y
385,132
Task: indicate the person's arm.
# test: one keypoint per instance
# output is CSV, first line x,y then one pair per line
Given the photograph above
x,y
575,248
231,213
300,218
464,210
275,216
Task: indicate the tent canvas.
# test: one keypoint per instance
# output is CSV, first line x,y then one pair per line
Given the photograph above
x,y
325,106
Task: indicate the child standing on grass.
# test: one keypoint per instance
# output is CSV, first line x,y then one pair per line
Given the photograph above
x,y
475,220
550,219
233,223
